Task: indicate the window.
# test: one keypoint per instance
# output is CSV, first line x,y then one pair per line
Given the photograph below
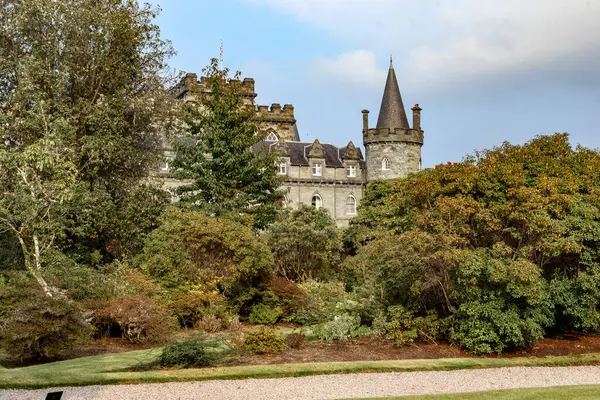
x,y
282,169
317,169
271,137
350,205
164,166
351,171
386,164
316,201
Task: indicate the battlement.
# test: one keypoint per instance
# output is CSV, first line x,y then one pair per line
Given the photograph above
x,y
190,80
276,113
398,135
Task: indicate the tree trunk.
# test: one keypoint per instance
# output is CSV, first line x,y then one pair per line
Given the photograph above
x,y
35,268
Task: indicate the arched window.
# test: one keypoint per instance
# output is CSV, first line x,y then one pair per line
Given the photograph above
x,y
271,137
386,164
351,205
316,201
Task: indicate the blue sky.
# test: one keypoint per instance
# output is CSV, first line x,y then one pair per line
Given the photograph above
x,y
484,71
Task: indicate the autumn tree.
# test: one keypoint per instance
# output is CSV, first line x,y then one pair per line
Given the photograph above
x,y
506,242
222,153
81,102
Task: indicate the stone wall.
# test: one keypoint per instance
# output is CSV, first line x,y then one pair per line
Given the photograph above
x,y
405,158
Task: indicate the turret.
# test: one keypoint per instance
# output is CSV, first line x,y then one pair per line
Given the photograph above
x,y
393,148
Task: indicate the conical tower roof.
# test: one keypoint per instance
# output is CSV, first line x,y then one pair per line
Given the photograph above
x,y
391,114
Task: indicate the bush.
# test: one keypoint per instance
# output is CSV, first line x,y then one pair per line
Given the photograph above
x,y
295,340
193,353
404,328
215,253
263,340
264,314
341,327
189,308
139,319
306,243
210,323
33,325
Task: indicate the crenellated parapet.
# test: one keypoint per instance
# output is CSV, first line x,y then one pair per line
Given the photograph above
x,y
190,84
398,135
277,114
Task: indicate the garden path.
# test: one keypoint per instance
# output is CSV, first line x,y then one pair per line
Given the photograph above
x,y
360,385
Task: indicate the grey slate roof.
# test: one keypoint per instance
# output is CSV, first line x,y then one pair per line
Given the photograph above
x,y
298,153
391,113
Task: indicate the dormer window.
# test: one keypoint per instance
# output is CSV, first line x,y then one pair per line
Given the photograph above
x,y
386,164
351,171
317,169
272,137
282,169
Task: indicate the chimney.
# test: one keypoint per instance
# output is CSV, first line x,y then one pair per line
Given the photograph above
x,y
365,114
416,117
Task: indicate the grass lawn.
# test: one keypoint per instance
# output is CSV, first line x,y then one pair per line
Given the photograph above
x,y
111,369
591,392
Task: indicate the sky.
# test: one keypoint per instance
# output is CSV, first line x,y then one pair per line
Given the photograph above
x,y
483,71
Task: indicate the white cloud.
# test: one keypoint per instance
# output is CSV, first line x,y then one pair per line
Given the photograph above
x,y
354,69
440,41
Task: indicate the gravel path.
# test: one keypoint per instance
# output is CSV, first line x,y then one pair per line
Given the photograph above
x,y
334,386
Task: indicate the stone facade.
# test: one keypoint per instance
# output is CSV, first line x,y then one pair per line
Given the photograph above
x,y
325,175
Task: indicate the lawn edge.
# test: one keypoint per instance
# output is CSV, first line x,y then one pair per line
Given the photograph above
x,y
303,369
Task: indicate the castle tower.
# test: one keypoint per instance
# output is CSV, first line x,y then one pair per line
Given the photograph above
x,y
393,148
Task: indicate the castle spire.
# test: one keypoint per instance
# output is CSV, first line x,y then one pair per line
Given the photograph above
x,y
391,113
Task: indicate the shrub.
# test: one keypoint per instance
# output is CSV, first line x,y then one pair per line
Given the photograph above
x,y
139,319
219,254
264,314
306,243
33,325
285,289
404,328
210,323
341,327
295,340
190,307
263,340
233,323
193,353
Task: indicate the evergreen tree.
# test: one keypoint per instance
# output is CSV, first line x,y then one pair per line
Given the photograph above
x,y
223,154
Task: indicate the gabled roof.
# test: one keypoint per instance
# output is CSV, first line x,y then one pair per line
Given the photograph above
x,y
391,113
299,153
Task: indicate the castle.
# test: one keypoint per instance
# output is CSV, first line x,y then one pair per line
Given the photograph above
x,y
326,175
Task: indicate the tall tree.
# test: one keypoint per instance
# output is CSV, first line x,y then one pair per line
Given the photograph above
x,y
221,153
81,98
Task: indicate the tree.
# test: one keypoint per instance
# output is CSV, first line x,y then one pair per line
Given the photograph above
x,y
305,243
221,153
506,242
81,102
190,249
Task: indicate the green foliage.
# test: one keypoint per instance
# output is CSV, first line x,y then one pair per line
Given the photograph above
x,y
35,326
82,94
189,308
305,242
341,327
506,242
230,175
139,319
404,328
263,340
264,314
213,253
197,352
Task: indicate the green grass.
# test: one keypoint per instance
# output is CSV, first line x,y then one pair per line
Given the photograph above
x,y
591,392
112,369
